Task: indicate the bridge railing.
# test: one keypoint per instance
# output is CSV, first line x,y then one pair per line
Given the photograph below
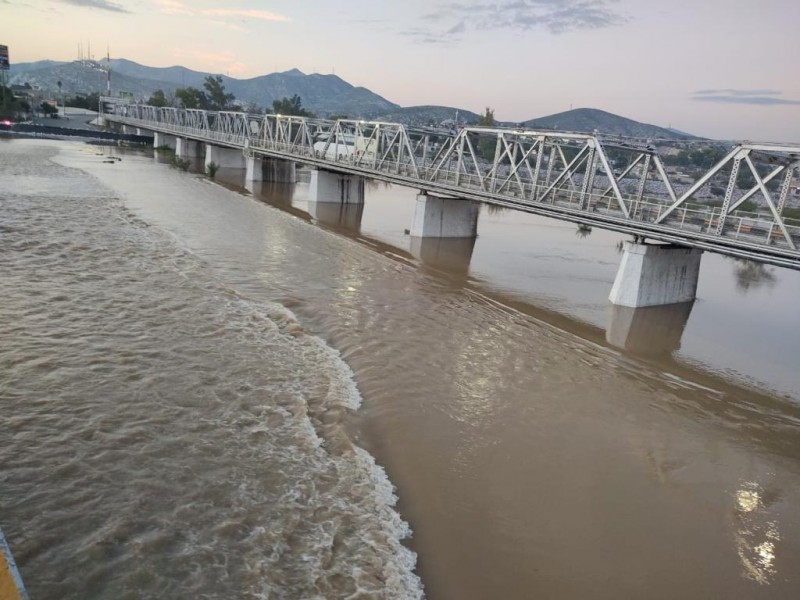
x,y
567,173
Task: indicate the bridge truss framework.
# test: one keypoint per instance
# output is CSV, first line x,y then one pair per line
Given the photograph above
x,y
613,183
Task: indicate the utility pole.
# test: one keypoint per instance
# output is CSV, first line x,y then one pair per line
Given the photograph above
x,y
5,65
108,71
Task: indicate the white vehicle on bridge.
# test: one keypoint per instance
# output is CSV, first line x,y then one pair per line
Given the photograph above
x,y
343,145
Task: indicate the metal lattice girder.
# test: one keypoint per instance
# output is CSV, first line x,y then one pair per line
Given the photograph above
x,y
737,161
566,175
768,198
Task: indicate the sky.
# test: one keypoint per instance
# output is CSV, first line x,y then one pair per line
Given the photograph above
x,y
727,69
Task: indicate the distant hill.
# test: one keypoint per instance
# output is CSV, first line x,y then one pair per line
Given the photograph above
x,y
428,115
587,120
323,94
80,77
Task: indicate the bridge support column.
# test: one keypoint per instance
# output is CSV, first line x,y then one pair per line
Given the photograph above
x,y
162,139
225,158
273,170
186,148
336,187
436,217
656,274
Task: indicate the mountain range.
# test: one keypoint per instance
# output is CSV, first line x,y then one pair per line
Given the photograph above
x,y
323,94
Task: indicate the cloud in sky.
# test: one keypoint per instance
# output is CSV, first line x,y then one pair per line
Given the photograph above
x,y
263,15
225,61
555,16
101,4
756,97
173,7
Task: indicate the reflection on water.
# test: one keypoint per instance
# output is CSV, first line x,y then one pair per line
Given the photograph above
x,y
279,194
753,275
648,331
756,536
338,215
449,254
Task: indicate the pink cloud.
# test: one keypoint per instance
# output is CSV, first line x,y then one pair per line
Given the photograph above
x,y
173,7
263,15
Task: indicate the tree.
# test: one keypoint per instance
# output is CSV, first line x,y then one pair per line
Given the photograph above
x,y
487,119
89,102
158,99
487,146
11,105
48,109
191,98
290,106
215,94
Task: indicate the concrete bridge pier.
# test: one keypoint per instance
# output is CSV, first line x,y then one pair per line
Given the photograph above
x,y
436,217
224,158
186,148
327,186
655,275
272,170
163,139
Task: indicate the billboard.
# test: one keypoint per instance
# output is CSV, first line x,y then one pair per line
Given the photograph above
x,y
4,64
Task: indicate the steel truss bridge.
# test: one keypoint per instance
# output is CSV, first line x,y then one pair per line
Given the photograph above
x,y
612,183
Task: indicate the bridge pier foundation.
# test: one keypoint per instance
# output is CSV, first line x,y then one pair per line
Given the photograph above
x,y
650,330
327,186
344,215
452,254
272,170
436,217
224,158
186,148
163,139
655,275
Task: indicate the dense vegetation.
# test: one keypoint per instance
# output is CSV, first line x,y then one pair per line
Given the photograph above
x,y
10,107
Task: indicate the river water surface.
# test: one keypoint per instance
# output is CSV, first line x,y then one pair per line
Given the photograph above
x,y
207,396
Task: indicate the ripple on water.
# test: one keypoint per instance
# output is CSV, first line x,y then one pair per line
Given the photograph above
x,y
166,436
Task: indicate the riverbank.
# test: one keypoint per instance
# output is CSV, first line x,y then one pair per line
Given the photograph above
x,y
11,586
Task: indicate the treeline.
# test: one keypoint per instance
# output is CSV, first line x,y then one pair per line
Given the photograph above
x,y
214,97
703,158
10,106
88,101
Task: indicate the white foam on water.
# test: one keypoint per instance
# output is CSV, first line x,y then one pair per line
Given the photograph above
x,y
193,437
371,497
